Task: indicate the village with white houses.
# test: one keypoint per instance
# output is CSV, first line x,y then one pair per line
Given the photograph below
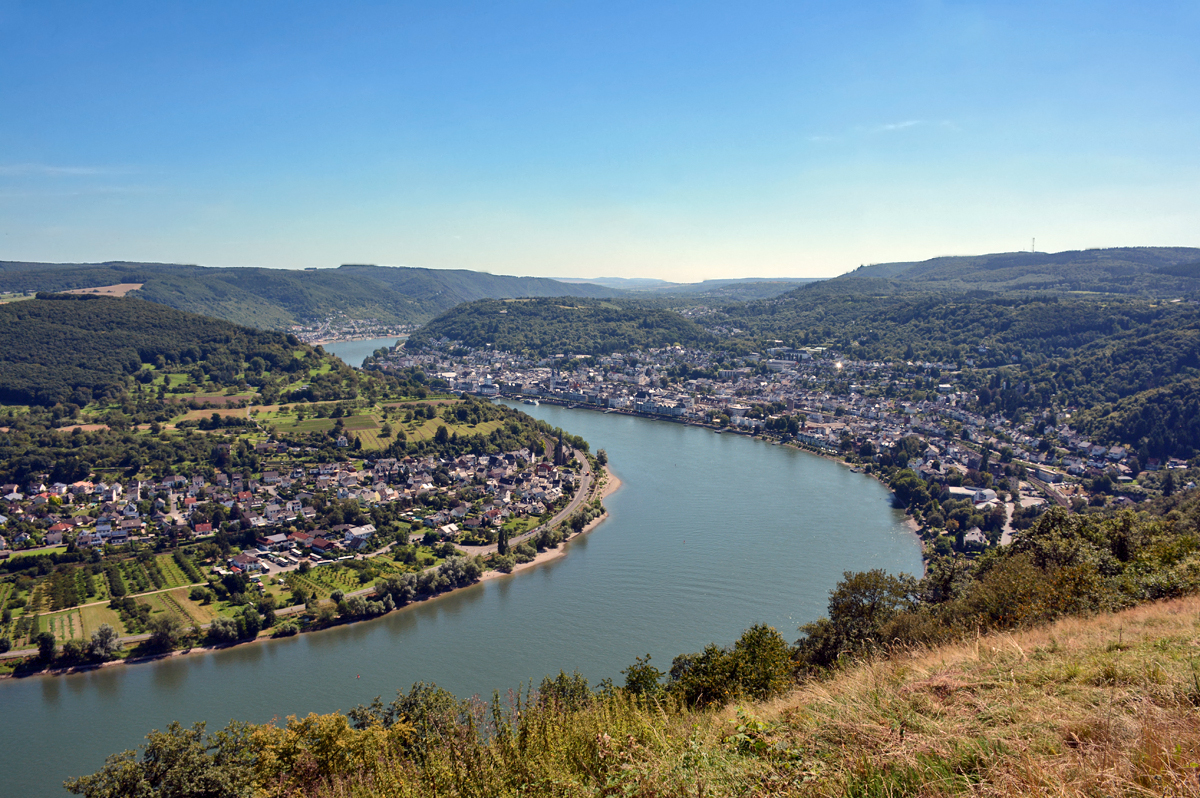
x,y
818,399
466,498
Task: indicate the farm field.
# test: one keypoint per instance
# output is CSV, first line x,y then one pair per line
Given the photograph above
x,y
31,552
96,614
65,625
203,413
116,289
368,425
428,428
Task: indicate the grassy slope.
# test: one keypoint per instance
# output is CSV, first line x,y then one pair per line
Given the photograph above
x,y
1099,706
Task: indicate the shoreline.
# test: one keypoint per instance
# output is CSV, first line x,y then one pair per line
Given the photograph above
x,y
325,342
909,521
611,485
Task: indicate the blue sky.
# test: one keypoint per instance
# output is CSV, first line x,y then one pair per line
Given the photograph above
x,y
676,140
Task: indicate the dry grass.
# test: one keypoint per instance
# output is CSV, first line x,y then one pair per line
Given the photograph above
x,y
1102,706
1085,707
118,289
198,415
200,613
94,615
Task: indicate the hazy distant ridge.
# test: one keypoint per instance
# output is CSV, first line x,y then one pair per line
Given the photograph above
x,y
279,298
1148,271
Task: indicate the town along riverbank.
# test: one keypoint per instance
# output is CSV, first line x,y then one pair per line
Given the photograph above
x,y
606,484
708,535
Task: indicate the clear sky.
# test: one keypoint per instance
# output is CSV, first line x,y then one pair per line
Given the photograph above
x,y
684,140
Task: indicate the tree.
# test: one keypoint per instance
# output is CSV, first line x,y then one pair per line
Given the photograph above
x,y
703,679
642,678
762,661
222,630
250,621
859,606
602,457
177,762
45,644
74,650
105,642
165,632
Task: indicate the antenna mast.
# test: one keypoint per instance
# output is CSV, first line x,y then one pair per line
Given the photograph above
x,y
1033,246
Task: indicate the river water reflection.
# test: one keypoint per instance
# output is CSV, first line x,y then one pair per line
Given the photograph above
x,y
708,535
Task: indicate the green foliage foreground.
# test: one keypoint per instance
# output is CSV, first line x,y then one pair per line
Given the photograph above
x,y
653,737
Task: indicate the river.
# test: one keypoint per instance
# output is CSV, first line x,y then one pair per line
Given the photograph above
x,y
353,353
708,535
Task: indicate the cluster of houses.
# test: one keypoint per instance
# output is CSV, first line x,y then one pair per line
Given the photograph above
x,y
339,327
838,398
474,492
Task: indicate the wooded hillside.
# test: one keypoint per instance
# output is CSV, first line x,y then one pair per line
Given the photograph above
x,y
562,326
1145,271
279,298
79,348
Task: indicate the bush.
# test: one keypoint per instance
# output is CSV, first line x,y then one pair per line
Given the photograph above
x,y
105,642
45,644
165,632
524,553
74,651
286,629
222,630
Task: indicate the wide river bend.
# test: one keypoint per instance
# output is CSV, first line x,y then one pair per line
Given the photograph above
x,y
708,535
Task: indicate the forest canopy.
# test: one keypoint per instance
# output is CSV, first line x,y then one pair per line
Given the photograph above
x,y
62,348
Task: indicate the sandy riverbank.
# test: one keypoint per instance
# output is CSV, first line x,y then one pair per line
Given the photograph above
x,y
611,484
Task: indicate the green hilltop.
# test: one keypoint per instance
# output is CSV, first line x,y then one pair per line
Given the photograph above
x,y
546,327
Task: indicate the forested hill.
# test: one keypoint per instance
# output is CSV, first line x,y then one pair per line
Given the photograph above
x,y
1145,271
279,298
77,349
562,325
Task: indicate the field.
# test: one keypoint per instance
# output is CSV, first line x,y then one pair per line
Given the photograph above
x,y
31,552
170,569
367,425
197,415
95,614
66,625
117,289
215,399
427,428
79,622
200,613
